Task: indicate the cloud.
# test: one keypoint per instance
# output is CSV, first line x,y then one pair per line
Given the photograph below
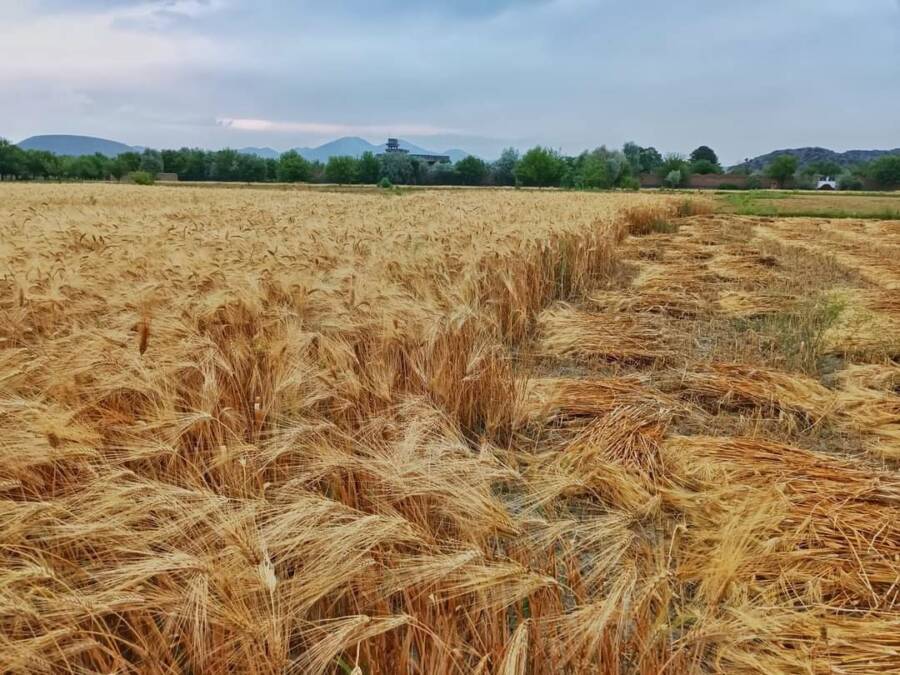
x,y
326,129
741,77
396,10
179,7
159,14
104,46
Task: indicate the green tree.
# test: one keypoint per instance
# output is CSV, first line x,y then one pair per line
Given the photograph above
x,y
225,165
650,160
571,173
824,167
503,171
850,181
593,172
420,171
442,173
540,167
602,168
341,170
40,164
674,179
86,167
124,164
316,172
292,168
886,171
129,161
250,168
472,170
704,167
398,168
271,168
675,170
632,152
11,159
195,163
367,169
782,169
151,162
174,161
704,152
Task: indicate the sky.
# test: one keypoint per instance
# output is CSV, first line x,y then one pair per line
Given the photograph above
x,y
742,77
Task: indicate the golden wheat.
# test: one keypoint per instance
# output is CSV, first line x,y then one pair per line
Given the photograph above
x,y
272,431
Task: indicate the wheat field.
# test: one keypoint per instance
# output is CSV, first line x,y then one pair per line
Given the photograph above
x,y
276,431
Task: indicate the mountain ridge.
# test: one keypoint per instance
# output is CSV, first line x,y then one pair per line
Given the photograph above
x,y
355,146
264,152
808,155
77,145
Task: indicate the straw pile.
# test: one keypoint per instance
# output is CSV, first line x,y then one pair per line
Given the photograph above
x,y
747,305
566,331
796,555
735,385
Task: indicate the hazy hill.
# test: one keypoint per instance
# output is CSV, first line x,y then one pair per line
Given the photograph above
x,y
62,144
355,146
349,145
809,155
265,153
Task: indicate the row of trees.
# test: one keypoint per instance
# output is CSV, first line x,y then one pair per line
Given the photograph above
x,y
883,172
540,167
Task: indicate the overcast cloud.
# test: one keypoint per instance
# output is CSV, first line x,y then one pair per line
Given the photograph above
x,y
744,78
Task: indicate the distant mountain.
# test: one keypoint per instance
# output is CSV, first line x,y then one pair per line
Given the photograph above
x,y
75,145
355,146
456,154
352,146
809,155
265,153
349,145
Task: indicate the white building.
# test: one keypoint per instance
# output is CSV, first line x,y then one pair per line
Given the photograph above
x,y
826,183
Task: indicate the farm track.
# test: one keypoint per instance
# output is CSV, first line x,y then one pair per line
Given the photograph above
x,y
447,432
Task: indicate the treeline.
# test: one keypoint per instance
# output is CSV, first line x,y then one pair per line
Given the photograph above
x,y
601,168
882,173
539,167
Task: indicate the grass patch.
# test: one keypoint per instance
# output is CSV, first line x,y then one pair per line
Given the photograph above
x,y
809,205
797,338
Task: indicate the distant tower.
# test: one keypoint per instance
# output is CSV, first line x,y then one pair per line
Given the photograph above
x,y
392,147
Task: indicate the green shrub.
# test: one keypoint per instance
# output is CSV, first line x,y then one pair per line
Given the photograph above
x,y
850,182
673,179
385,183
782,169
540,167
886,171
142,178
705,167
